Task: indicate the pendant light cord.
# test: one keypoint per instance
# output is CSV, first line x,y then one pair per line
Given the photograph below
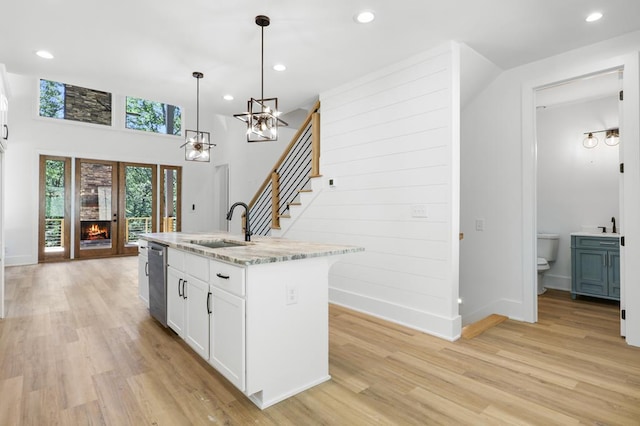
x,y
262,66
197,109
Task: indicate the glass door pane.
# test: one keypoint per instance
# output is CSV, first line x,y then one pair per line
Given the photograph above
x,y
54,215
96,208
138,206
170,198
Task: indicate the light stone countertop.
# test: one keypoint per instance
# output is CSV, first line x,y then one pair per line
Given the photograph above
x,y
595,234
258,250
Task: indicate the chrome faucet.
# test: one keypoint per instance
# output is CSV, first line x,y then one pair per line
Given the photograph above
x,y
613,219
247,229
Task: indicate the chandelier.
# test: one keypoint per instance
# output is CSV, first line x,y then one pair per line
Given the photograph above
x,y
262,115
197,146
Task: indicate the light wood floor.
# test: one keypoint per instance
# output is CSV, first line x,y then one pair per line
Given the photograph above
x,y
77,347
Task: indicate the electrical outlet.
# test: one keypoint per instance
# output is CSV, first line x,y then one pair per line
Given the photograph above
x,y
479,224
292,295
419,210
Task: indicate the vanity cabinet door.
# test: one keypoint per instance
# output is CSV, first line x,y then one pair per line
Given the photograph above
x,y
591,272
176,288
614,273
227,331
197,316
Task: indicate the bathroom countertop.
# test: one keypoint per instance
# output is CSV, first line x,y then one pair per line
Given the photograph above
x,y
258,250
595,234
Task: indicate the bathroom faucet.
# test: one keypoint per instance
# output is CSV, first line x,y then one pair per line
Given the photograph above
x,y
247,229
613,219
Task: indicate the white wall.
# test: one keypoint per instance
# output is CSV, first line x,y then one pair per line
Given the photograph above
x,y
390,141
496,263
576,186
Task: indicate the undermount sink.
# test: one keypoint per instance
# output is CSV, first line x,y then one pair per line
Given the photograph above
x,y
216,243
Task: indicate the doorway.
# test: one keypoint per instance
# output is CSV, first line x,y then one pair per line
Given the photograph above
x,y
630,208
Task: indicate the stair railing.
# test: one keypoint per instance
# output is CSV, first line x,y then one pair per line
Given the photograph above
x,y
299,162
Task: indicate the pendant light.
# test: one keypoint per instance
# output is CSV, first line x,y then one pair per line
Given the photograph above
x,y
262,114
197,146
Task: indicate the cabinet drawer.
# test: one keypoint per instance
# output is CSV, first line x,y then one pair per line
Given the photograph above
x,y
175,259
596,242
197,266
142,247
228,277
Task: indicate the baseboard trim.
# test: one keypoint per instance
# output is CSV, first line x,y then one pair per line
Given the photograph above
x,y
446,328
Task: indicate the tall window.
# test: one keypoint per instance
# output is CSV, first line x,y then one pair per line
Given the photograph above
x,y
153,116
68,102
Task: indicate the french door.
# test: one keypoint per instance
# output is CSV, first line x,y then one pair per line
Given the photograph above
x,y
137,208
96,213
54,230
114,203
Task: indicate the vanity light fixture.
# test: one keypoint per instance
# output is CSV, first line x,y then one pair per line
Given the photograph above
x,y
262,115
197,147
612,138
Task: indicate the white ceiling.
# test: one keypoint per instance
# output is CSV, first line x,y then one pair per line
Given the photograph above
x,y
149,48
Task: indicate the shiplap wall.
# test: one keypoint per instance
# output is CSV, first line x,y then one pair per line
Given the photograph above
x,y
390,140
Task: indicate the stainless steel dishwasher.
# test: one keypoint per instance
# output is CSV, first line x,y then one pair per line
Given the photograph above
x,y
158,282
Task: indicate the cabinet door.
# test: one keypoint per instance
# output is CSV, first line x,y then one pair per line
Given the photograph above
x,y
614,274
197,315
143,278
228,336
175,300
591,272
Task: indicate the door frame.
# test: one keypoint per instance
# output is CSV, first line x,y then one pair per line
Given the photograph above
x,y
630,202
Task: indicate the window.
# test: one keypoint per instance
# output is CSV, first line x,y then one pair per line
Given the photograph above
x,y
68,102
153,116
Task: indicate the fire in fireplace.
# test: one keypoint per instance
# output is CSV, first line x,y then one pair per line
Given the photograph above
x,y
95,233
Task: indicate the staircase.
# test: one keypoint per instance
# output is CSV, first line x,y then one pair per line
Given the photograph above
x,y
292,183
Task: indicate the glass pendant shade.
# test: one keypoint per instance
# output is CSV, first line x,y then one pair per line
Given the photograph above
x,y
612,137
197,146
590,141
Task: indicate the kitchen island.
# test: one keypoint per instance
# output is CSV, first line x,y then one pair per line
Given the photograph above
x,y
256,311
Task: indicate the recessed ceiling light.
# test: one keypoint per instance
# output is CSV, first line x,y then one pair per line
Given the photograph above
x,y
227,97
594,17
279,67
365,17
44,54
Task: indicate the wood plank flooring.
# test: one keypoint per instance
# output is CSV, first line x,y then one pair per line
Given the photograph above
x,y
79,348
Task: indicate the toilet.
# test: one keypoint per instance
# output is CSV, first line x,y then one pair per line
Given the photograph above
x,y
547,252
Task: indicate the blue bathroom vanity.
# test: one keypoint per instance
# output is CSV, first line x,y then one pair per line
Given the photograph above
x,y
595,265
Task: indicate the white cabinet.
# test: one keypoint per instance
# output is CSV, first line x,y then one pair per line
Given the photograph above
x,y
197,316
175,300
228,325
143,272
187,298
